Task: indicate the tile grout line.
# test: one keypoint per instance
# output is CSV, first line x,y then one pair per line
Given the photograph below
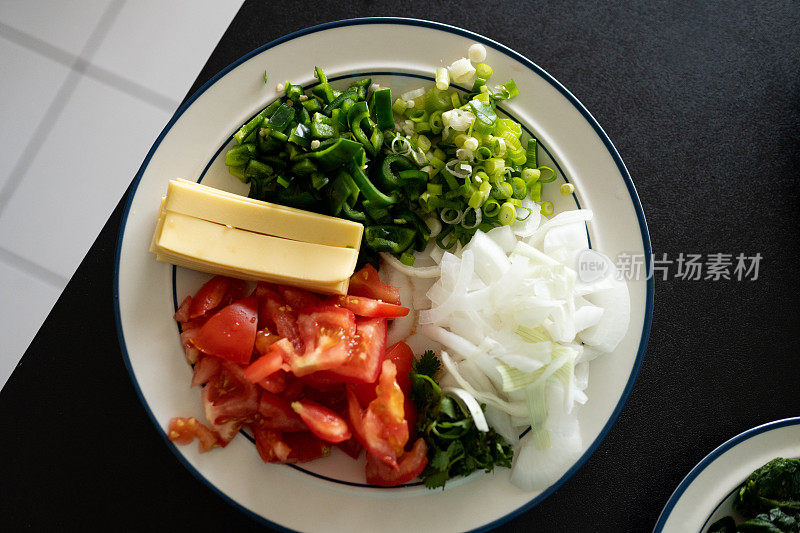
x,y
26,266
85,66
40,132
59,101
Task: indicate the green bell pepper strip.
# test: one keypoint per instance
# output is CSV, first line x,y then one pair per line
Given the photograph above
x,y
320,75
358,113
240,155
301,136
353,214
382,108
257,169
324,92
415,182
371,193
361,87
388,178
423,232
304,168
377,215
293,92
303,117
256,121
311,105
318,180
337,154
280,120
376,139
387,238
350,93
238,172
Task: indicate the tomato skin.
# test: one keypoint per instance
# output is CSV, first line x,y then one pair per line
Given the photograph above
x,y
367,352
351,447
274,383
276,447
279,316
381,429
402,356
371,308
185,430
366,282
410,465
276,414
230,400
231,332
264,366
182,314
327,333
189,349
299,299
323,422
209,296
205,369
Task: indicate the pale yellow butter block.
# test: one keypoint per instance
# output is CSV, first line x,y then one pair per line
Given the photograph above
x,y
207,203
253,253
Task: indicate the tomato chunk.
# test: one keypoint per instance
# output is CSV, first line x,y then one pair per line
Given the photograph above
x,y
410,465
351,447
298,299
369,307
276,413
231,332
230,400
323,422
189,349
209,296
205,369
270,445
276,447
279,316
264,366
182,314
274,383
185,430
327,333
366,282
367,351
402,356
382,428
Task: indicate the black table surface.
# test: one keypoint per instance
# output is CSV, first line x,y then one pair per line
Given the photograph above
x,y
703,103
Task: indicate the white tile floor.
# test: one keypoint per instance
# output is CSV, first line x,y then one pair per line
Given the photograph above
x,y
72,72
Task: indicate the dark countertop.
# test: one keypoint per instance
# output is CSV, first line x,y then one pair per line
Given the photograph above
x,y
703,104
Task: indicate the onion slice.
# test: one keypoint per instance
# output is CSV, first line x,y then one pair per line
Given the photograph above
x,y
433,271
472,406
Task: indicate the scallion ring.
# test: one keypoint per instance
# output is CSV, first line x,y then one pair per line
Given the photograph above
x,y
456,218
545,177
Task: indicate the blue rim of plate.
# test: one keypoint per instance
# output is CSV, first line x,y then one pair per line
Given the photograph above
x,y
709,459
647,248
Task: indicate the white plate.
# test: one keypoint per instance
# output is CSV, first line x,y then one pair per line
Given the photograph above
x,y
706,494
329,495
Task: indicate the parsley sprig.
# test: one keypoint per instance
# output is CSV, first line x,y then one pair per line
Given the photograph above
x,y
455,446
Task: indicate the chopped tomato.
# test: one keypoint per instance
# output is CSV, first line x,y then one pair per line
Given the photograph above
x,y
402,356
366,282
367,350
264,340
305,447
270,445
279,316
298,299
230,400
274,383
205,369
182,314
276,413
276,447
410,465
185,430
231,332
189,349
382,428
351,447
209,296
264,366
327,333
323,422
369,307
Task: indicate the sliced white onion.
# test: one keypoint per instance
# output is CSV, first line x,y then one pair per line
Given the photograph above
x,y
411,271
477,52
472,406
461,70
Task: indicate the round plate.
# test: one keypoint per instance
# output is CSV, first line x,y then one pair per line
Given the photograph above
x,y
189,147
706,494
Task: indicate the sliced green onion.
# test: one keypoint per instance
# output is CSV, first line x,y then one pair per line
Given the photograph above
x,y
422,127
483,153
519,188
407,258
491,207
419,115
436,123
442,78
567,189
547,208
531,175
434,189
536,191
455,99
265,76
423,143
283,182
507,214
502,190
399,106
548,174
531,153
482,70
